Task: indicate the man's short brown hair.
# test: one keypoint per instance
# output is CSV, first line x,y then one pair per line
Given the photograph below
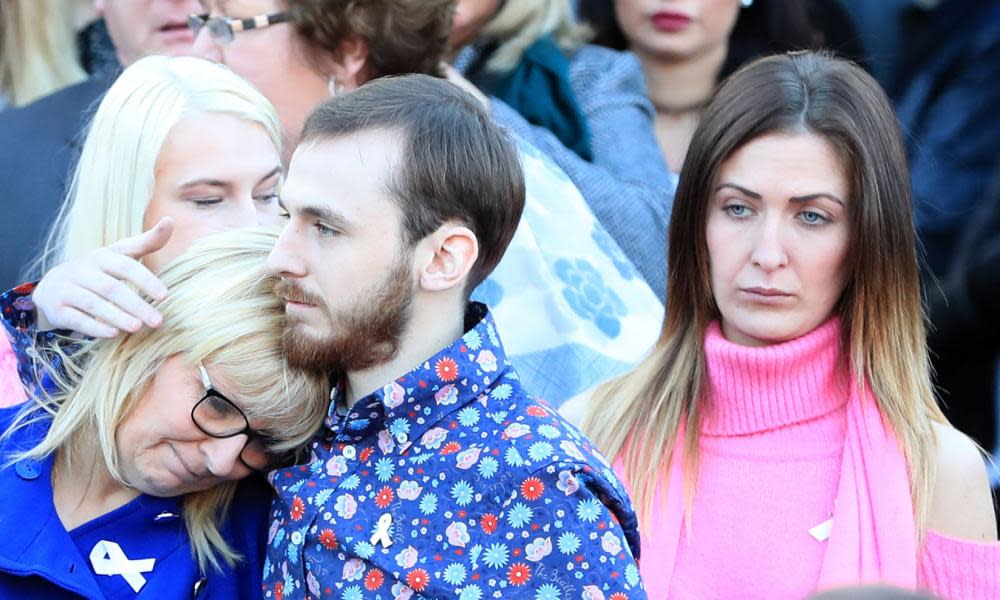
x,y
455,164
404,36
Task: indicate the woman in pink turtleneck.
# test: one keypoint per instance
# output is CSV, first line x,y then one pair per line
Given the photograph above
x,y
783,437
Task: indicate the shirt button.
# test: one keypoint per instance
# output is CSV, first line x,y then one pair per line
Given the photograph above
x,y
27,469
400,438
350,452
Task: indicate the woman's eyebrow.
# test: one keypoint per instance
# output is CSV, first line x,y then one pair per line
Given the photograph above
x,y
739,189
808,197
204,181
274,171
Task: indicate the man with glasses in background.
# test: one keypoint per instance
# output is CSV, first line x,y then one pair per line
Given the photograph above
x,y
223,29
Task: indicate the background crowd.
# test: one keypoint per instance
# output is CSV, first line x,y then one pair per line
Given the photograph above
x,y
602,107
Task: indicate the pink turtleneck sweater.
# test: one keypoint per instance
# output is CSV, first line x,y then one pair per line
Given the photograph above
x,y
772,442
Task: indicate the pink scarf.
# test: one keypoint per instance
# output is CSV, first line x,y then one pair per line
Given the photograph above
x,y
873,538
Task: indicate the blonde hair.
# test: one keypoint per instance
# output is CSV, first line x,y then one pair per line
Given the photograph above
x,y
521,23
637,417
114,180
220,309
38,53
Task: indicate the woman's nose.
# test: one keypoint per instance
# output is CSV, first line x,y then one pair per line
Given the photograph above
x,y
222,456
769,250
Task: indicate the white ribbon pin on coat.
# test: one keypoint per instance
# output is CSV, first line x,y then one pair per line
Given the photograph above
x,y
822,531
381,535
108,558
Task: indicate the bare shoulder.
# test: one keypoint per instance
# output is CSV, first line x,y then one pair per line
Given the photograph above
x,y
962,504
575,409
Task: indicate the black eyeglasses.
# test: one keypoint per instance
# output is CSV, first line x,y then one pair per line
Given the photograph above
x,y
224,29
219,417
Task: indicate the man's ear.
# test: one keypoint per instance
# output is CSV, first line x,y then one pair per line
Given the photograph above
x,y
448,255
350,63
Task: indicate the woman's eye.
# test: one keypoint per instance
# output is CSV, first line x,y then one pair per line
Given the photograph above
x,y
266,198
269,441
208,201
736,210
810,217
219,406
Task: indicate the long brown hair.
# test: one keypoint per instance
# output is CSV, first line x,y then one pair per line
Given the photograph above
x,y
637,417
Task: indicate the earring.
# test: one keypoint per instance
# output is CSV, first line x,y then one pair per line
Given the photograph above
x,y
746,3
336,89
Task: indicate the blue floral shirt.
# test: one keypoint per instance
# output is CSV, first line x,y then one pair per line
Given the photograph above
x,y
452,482
35,361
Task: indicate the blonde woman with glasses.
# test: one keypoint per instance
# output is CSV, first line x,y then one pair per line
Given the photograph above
x,y
123,481
783,435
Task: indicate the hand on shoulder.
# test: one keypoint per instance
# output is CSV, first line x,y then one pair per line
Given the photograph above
x,y
962,504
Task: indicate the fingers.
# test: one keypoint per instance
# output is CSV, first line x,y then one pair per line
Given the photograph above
x,y
75,320
146,242
105,298
93,295
134,273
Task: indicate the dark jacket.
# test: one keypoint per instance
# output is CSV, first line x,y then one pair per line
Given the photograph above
x,y
946,95
965,323
39,145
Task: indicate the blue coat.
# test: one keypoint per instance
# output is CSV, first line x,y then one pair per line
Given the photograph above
x,y
40,560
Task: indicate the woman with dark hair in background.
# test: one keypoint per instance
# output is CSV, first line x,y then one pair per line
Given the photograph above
x,y
687,47
785,426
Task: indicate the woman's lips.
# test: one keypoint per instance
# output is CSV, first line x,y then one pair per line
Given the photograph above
x,y
670,22
177,33
767,295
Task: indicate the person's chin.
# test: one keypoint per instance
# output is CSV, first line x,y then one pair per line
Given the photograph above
x,y
174,42
765,328
307,330
164,485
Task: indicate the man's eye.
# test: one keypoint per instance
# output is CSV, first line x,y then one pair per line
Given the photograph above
x,y
325,231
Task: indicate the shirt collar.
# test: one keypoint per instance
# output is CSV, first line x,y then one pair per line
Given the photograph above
x,y
457,375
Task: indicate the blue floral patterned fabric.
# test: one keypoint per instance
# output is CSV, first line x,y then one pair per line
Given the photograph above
x,y
574,310
452,482
18,317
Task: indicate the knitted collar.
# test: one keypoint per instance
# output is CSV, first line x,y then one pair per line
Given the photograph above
x,y
756,389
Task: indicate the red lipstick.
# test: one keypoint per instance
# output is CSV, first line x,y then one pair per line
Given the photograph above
x,y
670,22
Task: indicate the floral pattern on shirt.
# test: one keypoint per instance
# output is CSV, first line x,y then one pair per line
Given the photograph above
x,y
451,482
36,359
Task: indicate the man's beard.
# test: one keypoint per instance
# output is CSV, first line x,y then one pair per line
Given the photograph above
x,y
370,331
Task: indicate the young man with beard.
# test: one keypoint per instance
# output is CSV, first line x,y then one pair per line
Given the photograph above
x,y
435,474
